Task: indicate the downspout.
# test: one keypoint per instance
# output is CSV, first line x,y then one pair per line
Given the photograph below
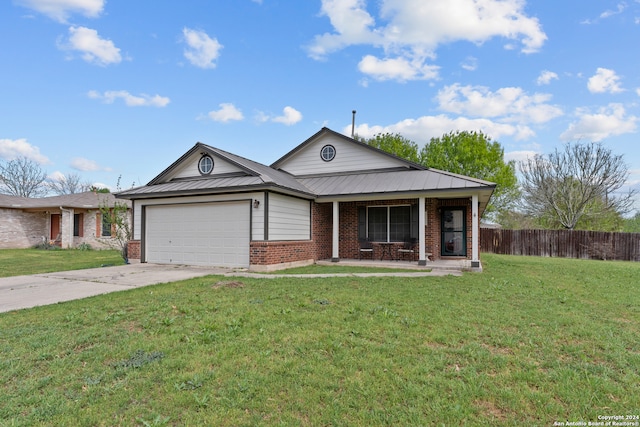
x,y
70,228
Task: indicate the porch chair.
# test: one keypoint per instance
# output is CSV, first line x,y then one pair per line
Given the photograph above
x,y
366,247
408,248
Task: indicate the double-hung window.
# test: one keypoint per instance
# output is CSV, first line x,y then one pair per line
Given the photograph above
x,y
106,226
387,223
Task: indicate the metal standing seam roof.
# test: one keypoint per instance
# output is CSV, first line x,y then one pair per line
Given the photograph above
x,y
259,176
390,182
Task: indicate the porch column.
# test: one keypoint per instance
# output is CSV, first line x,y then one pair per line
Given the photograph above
x,y
475,232
422,258
335,246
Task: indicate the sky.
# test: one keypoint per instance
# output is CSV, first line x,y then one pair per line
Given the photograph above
x,y
115,91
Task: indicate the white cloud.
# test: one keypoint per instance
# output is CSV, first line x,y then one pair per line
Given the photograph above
x,y
290,116
545,77
422,129
510,103
11,149
401,69
608,13
226,113
86,165
519,156
142,100
94,49
202,51
604,80
470,63
608,121
410,31
61,9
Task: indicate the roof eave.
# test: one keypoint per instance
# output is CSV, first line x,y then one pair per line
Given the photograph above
x,y
217,191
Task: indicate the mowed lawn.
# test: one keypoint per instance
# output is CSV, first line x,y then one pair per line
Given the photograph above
x,y
531,341
17,262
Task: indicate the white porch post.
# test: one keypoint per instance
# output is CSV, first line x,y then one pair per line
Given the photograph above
x,y
422,259
335,246
475,232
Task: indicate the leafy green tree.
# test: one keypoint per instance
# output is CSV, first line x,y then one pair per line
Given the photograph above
x,y
632,225
474,154
395,144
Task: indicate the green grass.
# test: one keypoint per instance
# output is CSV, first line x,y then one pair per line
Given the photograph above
x,y
530,341
346,269
16,262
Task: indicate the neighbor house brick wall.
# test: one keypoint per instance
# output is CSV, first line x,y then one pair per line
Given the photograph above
x,y
20,229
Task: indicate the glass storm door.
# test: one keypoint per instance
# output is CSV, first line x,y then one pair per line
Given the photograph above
x,y
453,232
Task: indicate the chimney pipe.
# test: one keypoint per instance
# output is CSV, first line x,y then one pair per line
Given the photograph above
x,y
353,123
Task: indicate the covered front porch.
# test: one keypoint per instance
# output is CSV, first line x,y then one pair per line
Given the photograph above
x,y
444,228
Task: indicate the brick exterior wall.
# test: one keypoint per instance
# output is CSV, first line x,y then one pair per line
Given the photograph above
x,y
349,246
20,229
272,253
133,250
265,253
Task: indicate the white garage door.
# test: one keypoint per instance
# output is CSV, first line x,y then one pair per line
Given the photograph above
x,y
199,234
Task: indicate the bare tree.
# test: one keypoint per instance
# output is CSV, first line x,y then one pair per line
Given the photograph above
x,y
118,215
23,177
581,180
69,184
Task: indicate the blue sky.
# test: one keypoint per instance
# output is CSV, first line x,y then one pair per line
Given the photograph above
x,y
107,88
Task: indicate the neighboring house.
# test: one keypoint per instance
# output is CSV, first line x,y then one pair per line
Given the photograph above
x,y
65,221
211,207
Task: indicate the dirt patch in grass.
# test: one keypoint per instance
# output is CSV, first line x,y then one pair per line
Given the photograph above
x,y
228,284
490,410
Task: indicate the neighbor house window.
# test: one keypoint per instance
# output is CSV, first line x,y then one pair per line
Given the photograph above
x,y
78,224
106,226
389,223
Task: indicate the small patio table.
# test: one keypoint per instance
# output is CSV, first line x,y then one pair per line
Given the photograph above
x,y
386,249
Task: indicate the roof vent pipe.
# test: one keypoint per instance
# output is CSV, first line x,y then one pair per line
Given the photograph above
x,y
353,123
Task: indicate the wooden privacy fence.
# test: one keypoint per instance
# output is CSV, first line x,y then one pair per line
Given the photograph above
x,y
562,243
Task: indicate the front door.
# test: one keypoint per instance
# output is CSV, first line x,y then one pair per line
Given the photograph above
x,y
55,226
454,232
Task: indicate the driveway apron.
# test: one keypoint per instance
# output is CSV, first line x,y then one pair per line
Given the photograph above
x,y
49,288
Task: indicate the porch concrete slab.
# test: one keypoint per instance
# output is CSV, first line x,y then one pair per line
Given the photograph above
x,y
49,288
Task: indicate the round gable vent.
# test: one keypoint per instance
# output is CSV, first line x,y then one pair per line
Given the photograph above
x,y
328,153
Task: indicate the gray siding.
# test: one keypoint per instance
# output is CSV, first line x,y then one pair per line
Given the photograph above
x,y
190,167
349,157
289,218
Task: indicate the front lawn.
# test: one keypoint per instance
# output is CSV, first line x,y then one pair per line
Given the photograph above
x,y
18,262
531,341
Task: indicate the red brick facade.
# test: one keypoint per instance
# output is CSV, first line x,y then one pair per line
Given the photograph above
x,y
269,253
265,253
133,249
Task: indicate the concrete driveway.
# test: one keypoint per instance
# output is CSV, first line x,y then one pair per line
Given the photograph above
x,y
49,288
